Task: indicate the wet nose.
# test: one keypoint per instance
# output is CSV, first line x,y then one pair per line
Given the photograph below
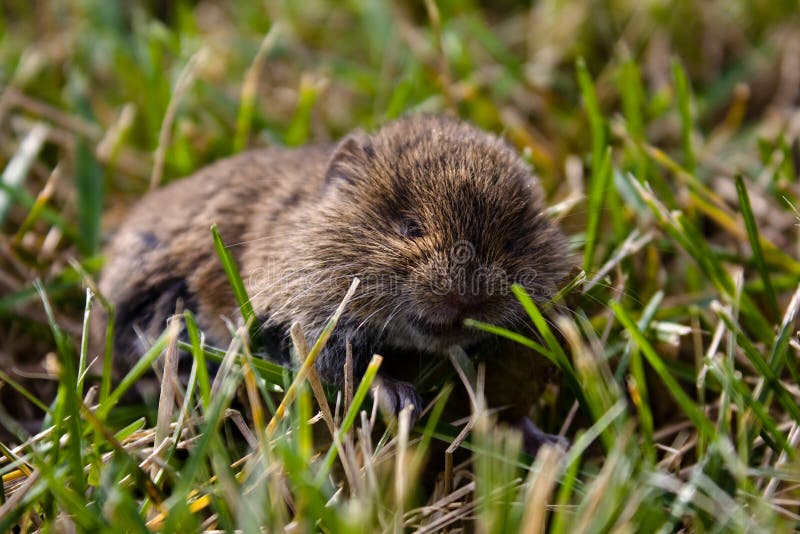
x,y
459,304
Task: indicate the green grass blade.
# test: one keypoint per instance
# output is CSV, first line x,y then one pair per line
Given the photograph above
x,y
558,355
513,336
84,342
300,126
108,354
573,459
755,244
66,413
777,354
272,372
597,194
637,387
244,118
684,96
133,376
600,167
234,278
90,196
203,381
130,429
687,405
596,121
643,323
88,173
763,367
685,234
771,433
209,432
632,93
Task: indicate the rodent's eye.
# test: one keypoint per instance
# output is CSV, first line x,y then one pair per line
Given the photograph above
x,y
411,229
511,244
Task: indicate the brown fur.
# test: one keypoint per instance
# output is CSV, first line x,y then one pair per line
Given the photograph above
x,y
436,217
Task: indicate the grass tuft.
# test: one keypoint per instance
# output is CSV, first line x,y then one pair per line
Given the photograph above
x,y
665,138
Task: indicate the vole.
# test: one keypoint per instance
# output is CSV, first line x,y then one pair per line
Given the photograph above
x,y
435,216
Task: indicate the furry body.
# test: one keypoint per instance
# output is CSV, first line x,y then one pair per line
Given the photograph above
x,y
436,217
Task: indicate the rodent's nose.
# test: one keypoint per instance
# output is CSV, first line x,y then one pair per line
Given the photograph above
x,y
458,305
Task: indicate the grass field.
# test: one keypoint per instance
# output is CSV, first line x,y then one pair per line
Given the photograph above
x,y
666,137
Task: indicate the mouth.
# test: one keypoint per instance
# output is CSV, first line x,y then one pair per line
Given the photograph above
x,y
431,326
446,333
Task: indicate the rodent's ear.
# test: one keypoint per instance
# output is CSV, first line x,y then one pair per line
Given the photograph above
x,y
352,154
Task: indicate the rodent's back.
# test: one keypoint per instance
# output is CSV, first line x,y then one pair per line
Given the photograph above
x,y
163,251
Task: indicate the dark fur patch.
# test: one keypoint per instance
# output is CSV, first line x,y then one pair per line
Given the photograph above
x,y
149,240
148,309
272,342
293,200
369,150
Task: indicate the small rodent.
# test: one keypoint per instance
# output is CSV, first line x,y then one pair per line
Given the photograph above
x,y
435,216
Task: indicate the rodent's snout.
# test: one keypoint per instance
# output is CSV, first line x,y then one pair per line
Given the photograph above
x,y
439,317
457,297
457,305
459,285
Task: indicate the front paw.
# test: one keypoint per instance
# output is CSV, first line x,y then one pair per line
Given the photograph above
x,y
533,438
394,395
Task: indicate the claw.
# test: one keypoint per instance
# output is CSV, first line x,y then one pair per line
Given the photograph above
x,y
394,395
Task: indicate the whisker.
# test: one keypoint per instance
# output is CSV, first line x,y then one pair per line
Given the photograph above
x,y
271,236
